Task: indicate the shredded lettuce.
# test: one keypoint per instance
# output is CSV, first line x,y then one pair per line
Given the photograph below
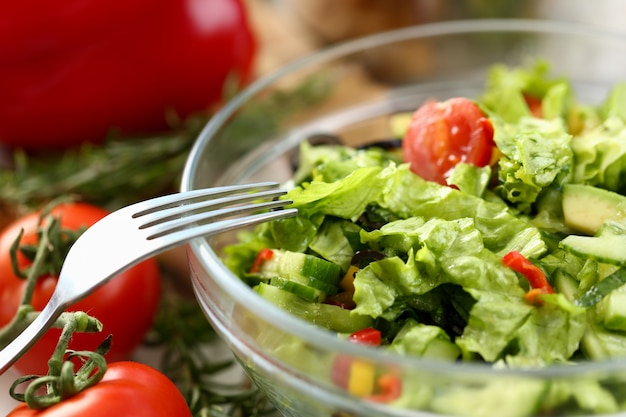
x,y
536,154
600,155
507,89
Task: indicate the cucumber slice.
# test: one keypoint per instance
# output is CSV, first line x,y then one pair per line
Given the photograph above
x,y
521,398
596,293
300,267
612,228
324,315
612,311
303,291
567,285
317,284
607,248
317,268
586,208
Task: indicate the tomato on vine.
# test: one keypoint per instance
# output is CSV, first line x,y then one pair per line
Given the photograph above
x,y
126,389
443,134
126,305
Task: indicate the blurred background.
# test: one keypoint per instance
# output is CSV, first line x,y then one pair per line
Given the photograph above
x,y
288,29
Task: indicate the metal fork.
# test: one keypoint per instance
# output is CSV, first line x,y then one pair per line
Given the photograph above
x,y
142,230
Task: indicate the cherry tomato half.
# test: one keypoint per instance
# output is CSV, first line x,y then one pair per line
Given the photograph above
x,y
442,134
126,305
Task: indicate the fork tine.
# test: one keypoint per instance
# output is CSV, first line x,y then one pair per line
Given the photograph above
x,y
151,219
170,226
209,229
160,203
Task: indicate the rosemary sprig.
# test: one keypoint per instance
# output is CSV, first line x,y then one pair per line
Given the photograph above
x,y
120,171
182,330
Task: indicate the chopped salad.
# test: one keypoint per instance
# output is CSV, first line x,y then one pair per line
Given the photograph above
x,y
494,232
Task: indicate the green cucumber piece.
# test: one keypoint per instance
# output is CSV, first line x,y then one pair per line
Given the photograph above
x,y
567,285
586,208
612,228
608,248
612,311
317,284
596,293
501,397
329,289
320,269
329,316
300,267
303,291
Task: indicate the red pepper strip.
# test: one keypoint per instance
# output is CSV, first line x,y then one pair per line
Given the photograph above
x,y
534,105
367,336
535,276
390,387
263,255
532,295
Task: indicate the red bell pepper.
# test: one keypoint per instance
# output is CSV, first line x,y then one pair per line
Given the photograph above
x,y
367,336
389,389
536,278
73,71
263,255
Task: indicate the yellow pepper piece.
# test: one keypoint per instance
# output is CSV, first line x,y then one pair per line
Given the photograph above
x,y
362,379
347,282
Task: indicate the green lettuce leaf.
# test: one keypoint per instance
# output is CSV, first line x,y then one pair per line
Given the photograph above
x,y
425,341
615,103
470,179
600,156
498,322
536,154
507,88
502,231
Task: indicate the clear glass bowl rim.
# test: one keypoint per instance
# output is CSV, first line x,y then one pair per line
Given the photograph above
x,y
320,338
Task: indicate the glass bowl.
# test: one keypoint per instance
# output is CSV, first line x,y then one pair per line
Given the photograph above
x,y
350,90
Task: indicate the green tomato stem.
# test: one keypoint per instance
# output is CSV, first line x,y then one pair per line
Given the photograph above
x,y
25,316
43,249
61,382
55,363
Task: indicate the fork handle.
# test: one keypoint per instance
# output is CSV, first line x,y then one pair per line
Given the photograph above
x,y
28,337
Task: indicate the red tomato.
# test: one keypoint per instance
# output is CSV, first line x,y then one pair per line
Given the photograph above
x,y
442,134
72,71
127,389
126,305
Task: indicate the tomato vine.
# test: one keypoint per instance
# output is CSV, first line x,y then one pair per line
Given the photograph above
x,y
61,381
